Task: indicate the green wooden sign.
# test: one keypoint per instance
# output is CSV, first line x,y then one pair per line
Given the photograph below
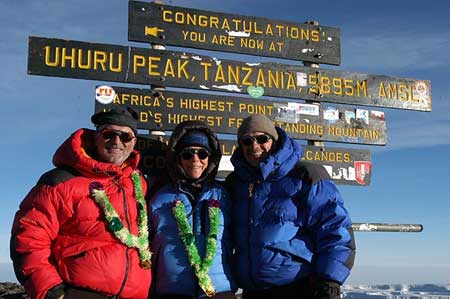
x,y
345,166
74,59
163,110
170,25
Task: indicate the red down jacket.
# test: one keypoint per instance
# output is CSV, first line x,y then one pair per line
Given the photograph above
x,y
60,234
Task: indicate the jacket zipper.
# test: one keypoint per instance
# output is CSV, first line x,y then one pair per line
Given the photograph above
x,y
127,257
250,224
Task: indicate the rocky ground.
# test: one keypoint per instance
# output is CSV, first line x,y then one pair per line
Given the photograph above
x,y
9,290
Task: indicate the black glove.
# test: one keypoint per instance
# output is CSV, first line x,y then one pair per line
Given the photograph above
x,y
325,289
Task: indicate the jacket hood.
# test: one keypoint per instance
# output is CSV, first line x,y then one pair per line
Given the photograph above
x,y
175,170
78,153
287,153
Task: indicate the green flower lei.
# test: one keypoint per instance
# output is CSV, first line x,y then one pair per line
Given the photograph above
x,y
201,268
115,225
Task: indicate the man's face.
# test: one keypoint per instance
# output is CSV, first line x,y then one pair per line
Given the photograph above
x,y
114,143
256,147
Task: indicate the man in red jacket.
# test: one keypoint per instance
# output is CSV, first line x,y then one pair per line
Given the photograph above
x,y
81,232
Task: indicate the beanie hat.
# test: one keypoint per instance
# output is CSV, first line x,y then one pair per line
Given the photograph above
x,y
257,123
117,116
193,138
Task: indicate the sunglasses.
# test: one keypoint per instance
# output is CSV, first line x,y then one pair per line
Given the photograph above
x,y
125,137
260,139
188,153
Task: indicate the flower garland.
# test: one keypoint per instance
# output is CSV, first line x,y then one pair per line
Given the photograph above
x,y
140,242
201,268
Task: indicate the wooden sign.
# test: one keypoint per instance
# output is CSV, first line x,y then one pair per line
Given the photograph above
x,y
170,25
73,59
163,110
345,166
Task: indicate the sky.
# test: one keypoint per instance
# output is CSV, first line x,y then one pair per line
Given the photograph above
x,y
410,179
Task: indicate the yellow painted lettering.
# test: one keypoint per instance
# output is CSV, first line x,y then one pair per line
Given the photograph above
x,y
206,66
99,59
249,71
88,63
182,68
153,66
219,74
138,61
71,58
169,70
381,91
55,62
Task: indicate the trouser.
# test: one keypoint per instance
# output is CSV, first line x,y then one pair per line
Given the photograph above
x,y
222,295
76,293
300,289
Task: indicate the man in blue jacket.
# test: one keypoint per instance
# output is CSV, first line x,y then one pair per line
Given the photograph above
x,y
292,233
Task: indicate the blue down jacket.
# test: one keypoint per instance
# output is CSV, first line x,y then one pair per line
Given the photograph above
x,y
287,226
173,274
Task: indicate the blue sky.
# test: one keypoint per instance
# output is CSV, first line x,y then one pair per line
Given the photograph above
x,y
410,180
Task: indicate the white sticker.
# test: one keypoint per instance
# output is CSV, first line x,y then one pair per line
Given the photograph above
x,y
362,115
306,109
105,94
302,79
285,113
377,114
331,114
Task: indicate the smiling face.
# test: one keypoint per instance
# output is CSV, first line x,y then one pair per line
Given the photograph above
x,y
191,161
254,152
114,143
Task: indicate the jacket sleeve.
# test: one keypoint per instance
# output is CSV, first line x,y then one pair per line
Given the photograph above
x,y
330,226
36,225
227,240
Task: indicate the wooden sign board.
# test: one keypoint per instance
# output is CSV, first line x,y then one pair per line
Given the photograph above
x,y
345,166
165,109
74,59
170,25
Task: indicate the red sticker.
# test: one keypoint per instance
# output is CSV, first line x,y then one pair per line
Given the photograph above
x,y
362,170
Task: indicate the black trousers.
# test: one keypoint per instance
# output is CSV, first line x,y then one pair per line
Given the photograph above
x,y
222,295
300,289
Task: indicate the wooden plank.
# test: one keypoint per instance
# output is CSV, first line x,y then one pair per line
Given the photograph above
x,y
345,166
74,59
165,109
170,25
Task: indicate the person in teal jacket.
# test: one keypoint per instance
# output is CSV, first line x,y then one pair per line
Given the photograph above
x,y
292,233
189,219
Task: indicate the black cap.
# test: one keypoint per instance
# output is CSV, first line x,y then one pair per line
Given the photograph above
x,y
117,116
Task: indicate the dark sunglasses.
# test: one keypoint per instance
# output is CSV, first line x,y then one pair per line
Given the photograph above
x,y
260,139
188,153
125,137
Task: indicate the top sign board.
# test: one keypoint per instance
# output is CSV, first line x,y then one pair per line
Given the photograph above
x,y
178,26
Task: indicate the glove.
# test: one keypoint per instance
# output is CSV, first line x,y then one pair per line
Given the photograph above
x,y
326,289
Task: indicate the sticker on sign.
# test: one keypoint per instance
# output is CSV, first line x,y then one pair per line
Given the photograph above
x,y
105,94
